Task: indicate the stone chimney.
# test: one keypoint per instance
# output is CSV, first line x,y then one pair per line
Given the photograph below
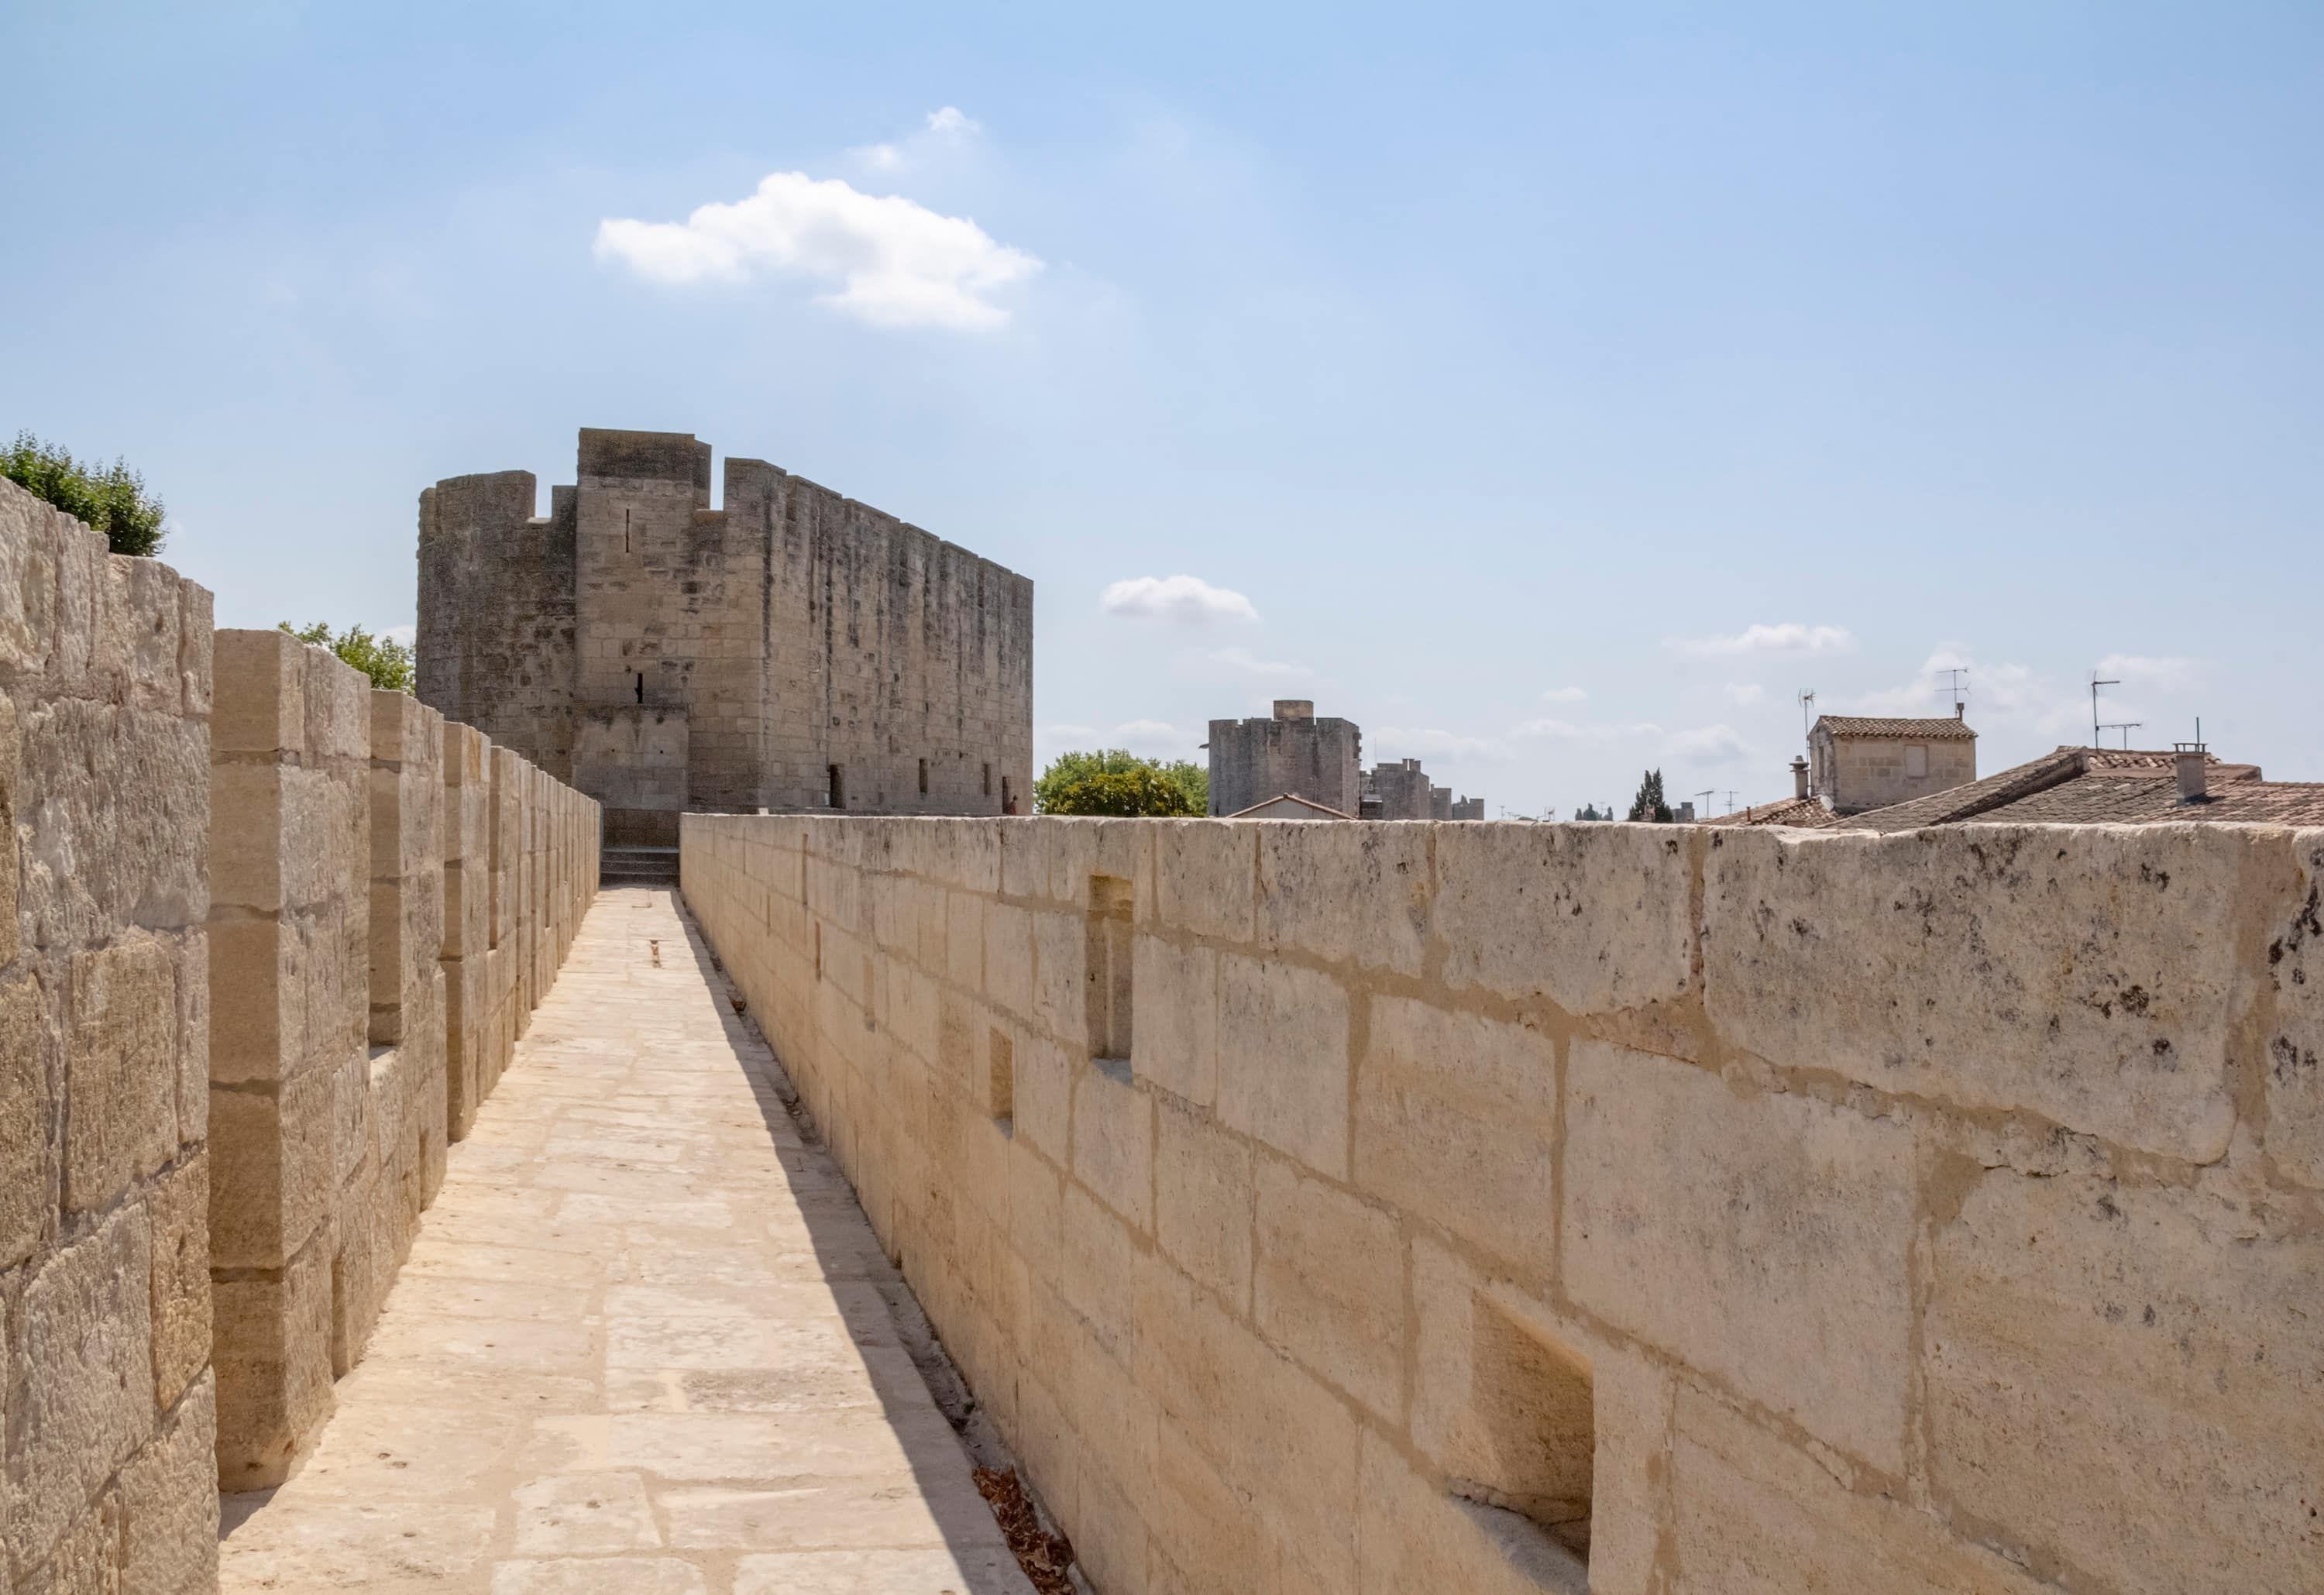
x,y
1291,708
2193,771
1799,777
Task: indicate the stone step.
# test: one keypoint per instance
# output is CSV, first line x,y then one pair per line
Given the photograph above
x,y
633,865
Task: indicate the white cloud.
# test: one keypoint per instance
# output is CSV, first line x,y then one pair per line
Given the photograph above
x,y
1565,731
1243,659
1563,694
1744,693
1392,742
898,264
2170,672
882,157
950,122
1188,599
1707,744
1783,637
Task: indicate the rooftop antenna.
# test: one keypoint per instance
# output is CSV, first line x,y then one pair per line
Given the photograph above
x,y
1956,689
1807,715
2124,726
1730,800
1707,794
2095,727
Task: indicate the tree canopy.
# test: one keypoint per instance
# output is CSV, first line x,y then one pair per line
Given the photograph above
x,y
1116,781
1648,804
112,499
386,661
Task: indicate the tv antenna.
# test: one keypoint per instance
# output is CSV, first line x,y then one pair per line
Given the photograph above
x,y
1956,687
1707,794
1730,800
1807,715
2096,729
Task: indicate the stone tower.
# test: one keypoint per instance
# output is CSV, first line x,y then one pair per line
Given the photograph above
x,y
1252,760
792,650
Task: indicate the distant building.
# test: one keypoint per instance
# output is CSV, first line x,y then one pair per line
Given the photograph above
x,y
1857,761
1401,790
1291,754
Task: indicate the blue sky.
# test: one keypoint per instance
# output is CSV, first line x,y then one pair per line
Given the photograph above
x,y
1554,390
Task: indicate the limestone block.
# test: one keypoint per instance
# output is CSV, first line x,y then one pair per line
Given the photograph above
x,y
27,1177
191,955
964,940
271,1169
143,618
464,1083
180,1283
1176,1044
1412,1536
2125,1380
112,812
2294,1064
1208,1540
1007,958
170,1503
1756,1516
1763,1238
283,837
1330,1286
258,978
1203,1196
273,1365
1283,1057
1113,1145
1035,1210
1456,1117
1592,917
466,896
1060,976
2084,976
30,533
1205,877
1100,1272
198,626
9,784
86,1560
262,694
86,1325
120,1071
338,698
1335,891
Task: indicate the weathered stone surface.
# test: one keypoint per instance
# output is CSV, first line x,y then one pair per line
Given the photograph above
x,y
1205,878
181,1288
2088,981
1756,1518
1204,1191
273,1362
1440,1091
169,1504
1176,1044
87,1325
1592,917
271,1184
1113,1145
1330,1286
2125,1383
1358,892
1761,1238
27,1183
2294,1061
1283,1059
261,686
120,1071
1414,1537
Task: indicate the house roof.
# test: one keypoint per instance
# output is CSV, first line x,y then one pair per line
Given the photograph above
x,y
1943,728
1329,813
1801,813
2104,786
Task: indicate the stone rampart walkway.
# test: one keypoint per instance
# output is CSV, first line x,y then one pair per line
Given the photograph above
x,y
642,1344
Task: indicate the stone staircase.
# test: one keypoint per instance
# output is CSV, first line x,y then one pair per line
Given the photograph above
x,y
638,866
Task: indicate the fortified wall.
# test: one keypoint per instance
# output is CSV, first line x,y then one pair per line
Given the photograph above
x,y
792,650
266,938
1500,1208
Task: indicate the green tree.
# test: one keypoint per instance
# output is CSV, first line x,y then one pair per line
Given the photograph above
x,y
112,499
386,661
1648,804
1117,781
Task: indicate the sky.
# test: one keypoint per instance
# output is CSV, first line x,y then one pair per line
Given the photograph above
x,y
1557,392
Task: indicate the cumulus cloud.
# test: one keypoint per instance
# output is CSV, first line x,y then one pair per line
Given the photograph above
x,y
948,127
1744,693
896,263
1187,599
1783,637
1566,730
1394,742
1250,664
1563,694
950,122
1707,744
2171,672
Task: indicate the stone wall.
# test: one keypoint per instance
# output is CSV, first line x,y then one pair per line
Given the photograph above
x,y
1377,1208
107,1399
380,877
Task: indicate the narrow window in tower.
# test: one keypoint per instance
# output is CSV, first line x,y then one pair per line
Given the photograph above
x,y
988,780
924,778
641,687
625,532
838,796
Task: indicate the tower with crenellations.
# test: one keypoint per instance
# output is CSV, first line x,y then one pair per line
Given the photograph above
x,y
791,650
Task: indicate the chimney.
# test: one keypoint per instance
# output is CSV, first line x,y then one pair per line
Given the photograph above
x,y
2192,770
1960,708
1287,708
1799,777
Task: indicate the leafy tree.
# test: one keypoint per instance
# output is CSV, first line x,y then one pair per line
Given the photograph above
x,y
1117,781
386,661
1648,804
113,499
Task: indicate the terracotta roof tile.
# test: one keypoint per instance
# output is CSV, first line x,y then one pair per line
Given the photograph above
x,y
1806,814
1943,728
